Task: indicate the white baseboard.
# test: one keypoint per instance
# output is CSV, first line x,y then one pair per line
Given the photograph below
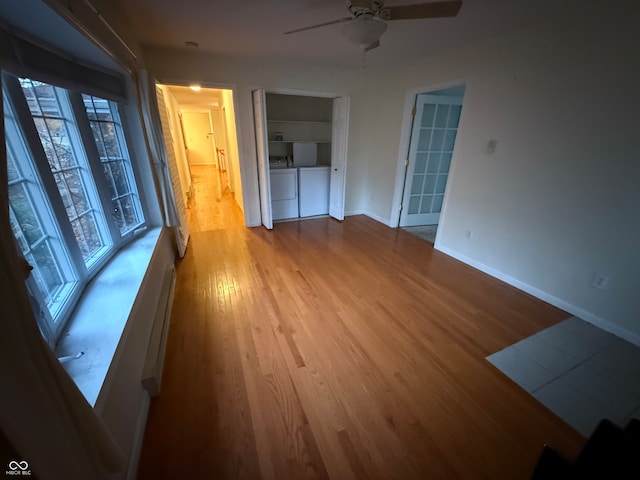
x,y
542,295
353,213
378,218
372,216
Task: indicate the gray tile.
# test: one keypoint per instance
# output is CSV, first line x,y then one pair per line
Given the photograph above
x,y
616,401
577,347
575,409
588,332
580,372
550,357
619,362
521,369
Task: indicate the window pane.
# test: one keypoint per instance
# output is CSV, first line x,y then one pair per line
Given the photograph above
x,y
129,210
423,139
445,162
437,203
434,161
414,204
430,184
109,138
47,275
442,113
120,178
454,116
106,167
436,141
449,140
427,115
84,229
421,162
425,206
416,184
12,169
32,225
57,131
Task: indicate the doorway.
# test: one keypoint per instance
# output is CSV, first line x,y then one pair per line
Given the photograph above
x,y
436,115
301,145
198,129
201,139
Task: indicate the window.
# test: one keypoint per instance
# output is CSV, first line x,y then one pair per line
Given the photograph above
x,y
116,166
72,191
68,164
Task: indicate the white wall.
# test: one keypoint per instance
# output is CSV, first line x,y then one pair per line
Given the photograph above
x,y
558,200
233,139
179,67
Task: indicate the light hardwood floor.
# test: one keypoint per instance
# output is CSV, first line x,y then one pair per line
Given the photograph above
x,y
212,206
342,350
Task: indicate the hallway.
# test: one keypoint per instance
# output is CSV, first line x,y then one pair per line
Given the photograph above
x,y
212,205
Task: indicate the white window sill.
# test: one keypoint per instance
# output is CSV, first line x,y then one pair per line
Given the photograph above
x,y
97,324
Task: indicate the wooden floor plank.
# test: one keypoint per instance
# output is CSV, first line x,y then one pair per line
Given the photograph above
x,y
341,350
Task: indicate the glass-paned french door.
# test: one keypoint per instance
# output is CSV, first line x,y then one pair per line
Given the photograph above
x,y
433,137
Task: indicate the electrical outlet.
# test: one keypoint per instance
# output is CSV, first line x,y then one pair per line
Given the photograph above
x,y
491,146
600,281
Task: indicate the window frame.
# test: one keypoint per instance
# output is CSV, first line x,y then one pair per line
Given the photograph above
x,y
83,143
121,133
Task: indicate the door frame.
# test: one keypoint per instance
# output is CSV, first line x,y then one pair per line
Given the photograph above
x,y
300,93
208,112
405,144
240,133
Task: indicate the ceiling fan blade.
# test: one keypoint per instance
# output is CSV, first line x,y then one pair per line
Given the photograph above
x,y
424,10
342,20
375,44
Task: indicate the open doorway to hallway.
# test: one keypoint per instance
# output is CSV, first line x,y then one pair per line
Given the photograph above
x,y
202,144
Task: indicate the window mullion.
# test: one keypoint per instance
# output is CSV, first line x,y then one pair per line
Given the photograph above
x,y
92,183
141,197
41,163
93,157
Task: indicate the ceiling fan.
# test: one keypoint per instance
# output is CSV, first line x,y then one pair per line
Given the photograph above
x,y
368,18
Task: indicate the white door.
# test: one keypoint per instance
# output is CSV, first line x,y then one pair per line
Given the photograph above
x,y
433,136
199,138
262,149
182,229
339,137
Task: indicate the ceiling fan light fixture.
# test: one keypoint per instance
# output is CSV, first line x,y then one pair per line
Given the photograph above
x,y
364,31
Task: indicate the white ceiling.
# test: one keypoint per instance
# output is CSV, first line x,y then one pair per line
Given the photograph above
x,y
205,98
254,28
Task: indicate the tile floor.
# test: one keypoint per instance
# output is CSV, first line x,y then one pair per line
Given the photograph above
x,y
426,232
578,371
